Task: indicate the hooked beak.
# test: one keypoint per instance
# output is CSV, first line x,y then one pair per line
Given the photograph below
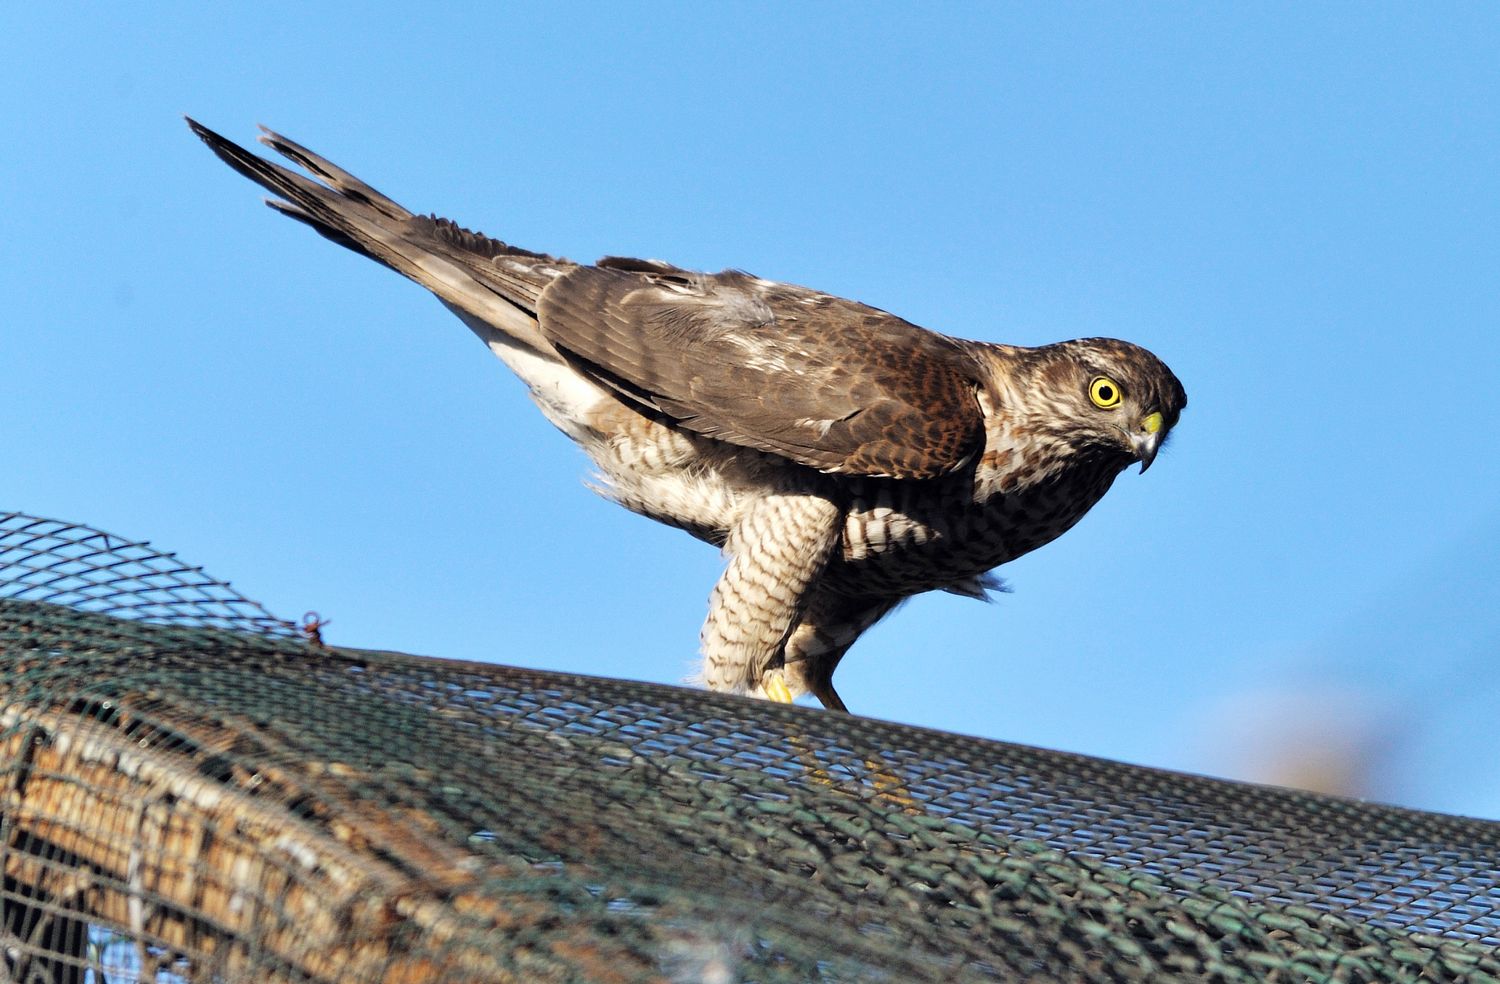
x,y
1147,441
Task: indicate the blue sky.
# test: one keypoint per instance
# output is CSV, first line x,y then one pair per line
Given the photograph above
x,y
1297,207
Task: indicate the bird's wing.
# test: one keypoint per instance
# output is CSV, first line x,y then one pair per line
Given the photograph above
x,y
824,381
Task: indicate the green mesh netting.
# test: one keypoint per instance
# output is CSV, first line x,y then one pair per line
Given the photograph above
x,y
194,791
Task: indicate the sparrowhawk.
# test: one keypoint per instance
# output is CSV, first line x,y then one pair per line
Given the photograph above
x,y
842,458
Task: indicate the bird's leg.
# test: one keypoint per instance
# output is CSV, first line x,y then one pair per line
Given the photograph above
x,y
777,549
829,626
765,612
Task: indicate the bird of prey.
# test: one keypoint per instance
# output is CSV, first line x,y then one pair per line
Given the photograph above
x,y
842,458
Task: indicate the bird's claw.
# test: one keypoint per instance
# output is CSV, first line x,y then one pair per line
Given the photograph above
x,y
773,684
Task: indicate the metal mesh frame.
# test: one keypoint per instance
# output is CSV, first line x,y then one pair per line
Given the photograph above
x,y
197,793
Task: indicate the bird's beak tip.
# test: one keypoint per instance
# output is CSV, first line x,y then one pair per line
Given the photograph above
x,y
1147,441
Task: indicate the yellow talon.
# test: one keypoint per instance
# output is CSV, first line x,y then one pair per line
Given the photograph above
x,y
774,685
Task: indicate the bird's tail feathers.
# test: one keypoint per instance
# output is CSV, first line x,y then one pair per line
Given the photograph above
x,y
328,172
494,282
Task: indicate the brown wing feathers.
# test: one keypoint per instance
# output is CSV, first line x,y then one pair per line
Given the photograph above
x,y
829,383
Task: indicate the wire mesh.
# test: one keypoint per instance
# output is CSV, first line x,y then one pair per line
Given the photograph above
x,y
59,563
197,793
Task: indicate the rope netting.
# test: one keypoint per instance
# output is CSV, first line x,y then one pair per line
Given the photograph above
x,y
192,791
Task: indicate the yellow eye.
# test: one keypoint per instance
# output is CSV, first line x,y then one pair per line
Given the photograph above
x,y
1105,393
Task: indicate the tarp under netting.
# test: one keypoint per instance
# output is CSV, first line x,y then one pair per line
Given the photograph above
x,y
194,790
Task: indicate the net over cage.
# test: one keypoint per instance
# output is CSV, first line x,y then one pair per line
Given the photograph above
x,y
194,790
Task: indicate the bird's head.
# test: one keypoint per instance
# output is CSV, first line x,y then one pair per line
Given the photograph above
x,y
1108,396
